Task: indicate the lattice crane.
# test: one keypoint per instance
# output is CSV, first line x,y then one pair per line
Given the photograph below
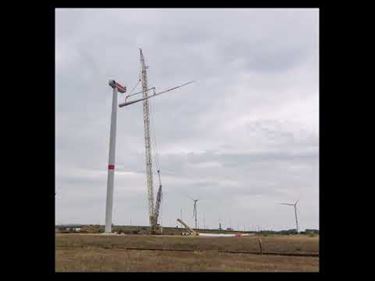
x,y
153,208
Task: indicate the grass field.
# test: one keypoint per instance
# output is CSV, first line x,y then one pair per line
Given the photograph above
x,y
90,252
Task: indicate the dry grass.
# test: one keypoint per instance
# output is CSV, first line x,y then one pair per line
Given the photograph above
x,y
108,253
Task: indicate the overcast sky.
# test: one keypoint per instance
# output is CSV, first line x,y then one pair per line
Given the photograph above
x,y
243,138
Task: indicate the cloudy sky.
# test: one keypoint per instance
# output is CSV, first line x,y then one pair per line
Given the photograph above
x,y
243,138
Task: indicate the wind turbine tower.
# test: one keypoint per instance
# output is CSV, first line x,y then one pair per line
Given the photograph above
x,y
111,159
195,214
295,211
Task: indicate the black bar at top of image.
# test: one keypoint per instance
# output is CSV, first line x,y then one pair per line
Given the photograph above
x,y
189,4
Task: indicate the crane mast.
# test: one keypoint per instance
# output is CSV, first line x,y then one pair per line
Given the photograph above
x,y
146,118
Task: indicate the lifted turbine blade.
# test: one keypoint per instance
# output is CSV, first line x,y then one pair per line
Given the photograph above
x,y
154,95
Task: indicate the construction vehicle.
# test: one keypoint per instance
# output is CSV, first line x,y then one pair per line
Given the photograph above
x,y
191,231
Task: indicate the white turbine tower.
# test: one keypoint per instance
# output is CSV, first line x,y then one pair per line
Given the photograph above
x,y
111,159
295,211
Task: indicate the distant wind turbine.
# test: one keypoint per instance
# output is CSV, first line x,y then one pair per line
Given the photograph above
x,y
295,211
195,213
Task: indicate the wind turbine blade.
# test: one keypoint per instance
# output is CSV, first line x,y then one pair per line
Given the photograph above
x,y
140,92
154,95
288,204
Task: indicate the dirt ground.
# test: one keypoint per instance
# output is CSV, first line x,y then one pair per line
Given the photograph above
x,y
93,253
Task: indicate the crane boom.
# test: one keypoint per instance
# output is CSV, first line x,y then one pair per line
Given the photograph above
x,y
192,231
153,212
146,118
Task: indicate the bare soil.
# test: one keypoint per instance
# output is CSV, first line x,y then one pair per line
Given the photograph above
x,y
85,252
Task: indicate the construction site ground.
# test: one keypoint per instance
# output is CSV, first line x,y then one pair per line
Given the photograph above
x,y
162,253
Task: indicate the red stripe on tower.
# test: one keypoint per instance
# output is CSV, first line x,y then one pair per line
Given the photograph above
x,y
111,167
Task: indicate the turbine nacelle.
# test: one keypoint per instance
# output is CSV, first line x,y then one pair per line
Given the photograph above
x,y
118,86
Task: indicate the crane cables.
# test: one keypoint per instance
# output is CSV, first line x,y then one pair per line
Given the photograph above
x,y
136,85
139,80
